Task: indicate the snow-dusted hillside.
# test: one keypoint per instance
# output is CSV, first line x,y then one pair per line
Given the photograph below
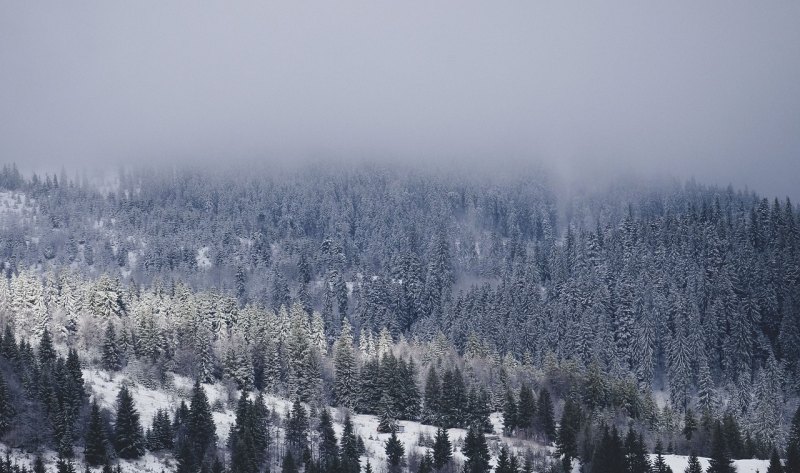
x,y
104,386
678,463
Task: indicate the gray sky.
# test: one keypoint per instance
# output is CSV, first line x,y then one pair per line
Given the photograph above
x,y
709,89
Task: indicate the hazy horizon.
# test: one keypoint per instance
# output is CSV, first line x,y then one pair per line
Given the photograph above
x,y
710,91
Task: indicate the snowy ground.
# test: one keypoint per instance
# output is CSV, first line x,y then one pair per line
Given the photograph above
x,y
678,463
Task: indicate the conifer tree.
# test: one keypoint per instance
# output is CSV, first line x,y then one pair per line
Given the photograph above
x,y
503,461
394,452
346,383
328,445
47,354
720,461
38,465
510,413
431,407
442,449
689,424
200,431
7,410
793,445
636,460
775,465
426,463
349,448
297,428
526,411
289,465
128,436
659,465
111,356
694,464
242,443
476,451
544,416
95,452
567,442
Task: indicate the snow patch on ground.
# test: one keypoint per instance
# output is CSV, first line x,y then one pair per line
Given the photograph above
x,y
678,463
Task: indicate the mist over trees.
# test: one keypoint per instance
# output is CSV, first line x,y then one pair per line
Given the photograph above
x,y
407,295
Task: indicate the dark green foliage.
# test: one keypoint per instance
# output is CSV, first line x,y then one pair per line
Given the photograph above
x,y
161,435
454,399
288,464
720,460
609,454
775,465
510,413
636,460
129,439
47,354
689,424
349,453
111,355
694,465
504,461
7,411
95,452
476,451
442,449
570,425
526,410
395,451
432,399
545,422
297,428
426,463
659,465
328,445
200,432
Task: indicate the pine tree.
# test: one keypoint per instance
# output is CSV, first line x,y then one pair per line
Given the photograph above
x,y
7,411
201,432
694,465
426,463
47,354
65,466
567,442
510,413
775,465
95,452
720,461
346,384
394,452
659,465
111,356
368,467
328,445
793,445
689,424
242,444
349,448
636,460
544,415
297,427
38,465
128,436
289,465
476,451
526,411
442,449
431,408
503,461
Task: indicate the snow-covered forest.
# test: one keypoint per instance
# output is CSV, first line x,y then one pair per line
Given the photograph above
x,y
326,308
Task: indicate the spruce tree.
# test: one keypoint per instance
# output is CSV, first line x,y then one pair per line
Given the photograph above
x,y
349,448
567,442
345,388
689,424
328,445
659,465
694,464
7,411
95,452
793,445
47,354
476,451
526,411
200,428
244,455
636,460
111,355
297,428
775,465
544,416
510,413
431,407
426,463
289,465
503,461
394,452
128,436
442,449
720,461
38,465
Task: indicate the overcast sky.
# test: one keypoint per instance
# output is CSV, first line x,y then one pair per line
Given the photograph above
x,y
709,89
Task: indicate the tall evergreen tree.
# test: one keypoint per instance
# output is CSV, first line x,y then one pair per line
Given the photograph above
x,y
442,449
510,413
775,465
476,451
567,442
328,444
7,411
544,416
526,411
694,464
128,436
95,452
431,407
659,465
349,448
394,452
720,461
297,428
